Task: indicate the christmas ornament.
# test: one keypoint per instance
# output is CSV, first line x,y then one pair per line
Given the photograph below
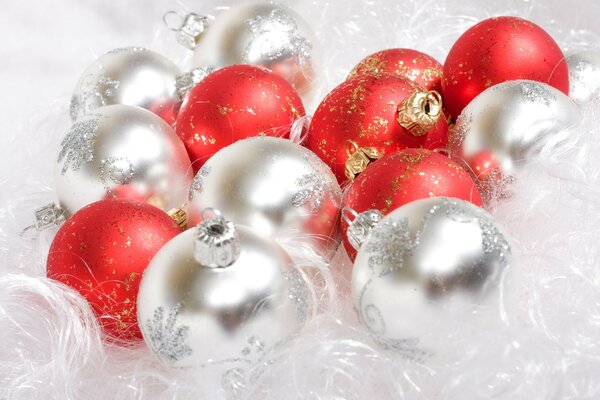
x,y
427,263
259,33
219,293
102,250
273,186
381,113
234,103
407,63
122,151
584,76
405,176
498,50
504,126
133,75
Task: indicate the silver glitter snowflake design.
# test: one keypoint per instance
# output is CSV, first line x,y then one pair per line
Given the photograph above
x,y
199,181
536,93
314,186
77,147
297,291
275,36
116,170
128,50
389,244
97,91
166,338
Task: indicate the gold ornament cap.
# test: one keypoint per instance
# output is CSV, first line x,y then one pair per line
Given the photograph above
x,y
420,112
359,158
180,217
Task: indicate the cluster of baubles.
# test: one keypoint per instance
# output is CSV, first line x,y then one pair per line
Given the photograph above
x,y
181,187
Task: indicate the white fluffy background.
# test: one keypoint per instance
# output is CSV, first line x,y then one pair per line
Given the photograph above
x,y
547,346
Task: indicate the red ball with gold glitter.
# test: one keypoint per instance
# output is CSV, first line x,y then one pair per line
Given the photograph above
x,y
407,63
235,103
498,50
405,176
102,250
374,114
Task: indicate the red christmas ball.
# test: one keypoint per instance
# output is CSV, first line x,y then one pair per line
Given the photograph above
x,y
363,113
498,50
407,63
235,103
102,250
405,176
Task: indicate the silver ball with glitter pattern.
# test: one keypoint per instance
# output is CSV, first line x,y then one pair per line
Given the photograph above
x,y
507,124
265,34
274,186
222,295
122,151
427,272
584,77
131,75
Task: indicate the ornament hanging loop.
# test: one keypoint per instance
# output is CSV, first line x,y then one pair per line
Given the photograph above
x,y
359,225
359,158
420,112
216,240
189,28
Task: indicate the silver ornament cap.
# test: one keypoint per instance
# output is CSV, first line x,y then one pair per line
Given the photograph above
x,y
360,225
216,241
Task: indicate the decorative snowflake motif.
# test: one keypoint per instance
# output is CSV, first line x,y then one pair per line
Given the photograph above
x,y
389,244
314,186
274,36
199,181
128,50
97,90
536,93
168,340
297,291
116,170
77,146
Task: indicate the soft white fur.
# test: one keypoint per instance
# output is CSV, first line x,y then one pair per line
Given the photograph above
x,y
544,346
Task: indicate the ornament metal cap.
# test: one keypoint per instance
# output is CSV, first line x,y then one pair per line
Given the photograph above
x,y
420,111
216,241
180,217
190,28
359,225
185,82
359,158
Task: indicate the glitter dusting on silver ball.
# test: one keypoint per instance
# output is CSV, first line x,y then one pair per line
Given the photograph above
x,y
122,151
272,185
265,34
131,75
584,76
507,124
230,314
425,266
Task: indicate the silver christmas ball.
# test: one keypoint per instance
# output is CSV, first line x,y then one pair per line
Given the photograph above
x,y
133,75
265,34
272,185
505,125
425,266
122,151
219,294
584,76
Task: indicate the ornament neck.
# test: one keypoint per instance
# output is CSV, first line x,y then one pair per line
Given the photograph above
x,y
420,112
359,158
189,28
360,225
216,240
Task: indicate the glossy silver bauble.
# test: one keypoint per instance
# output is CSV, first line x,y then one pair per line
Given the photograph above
x,y
132,75
122,151
426,266
584,76
272,185
265,34
232,316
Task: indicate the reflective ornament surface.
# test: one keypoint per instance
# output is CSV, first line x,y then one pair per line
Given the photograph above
x,y
584,76
131,75
266,34
426,266
123,152
230,311
273,186
505,125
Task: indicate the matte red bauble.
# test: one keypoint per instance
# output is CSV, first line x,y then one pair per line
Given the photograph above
x,y
374,114
498,50
407,63
235,103
405,176
102,250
